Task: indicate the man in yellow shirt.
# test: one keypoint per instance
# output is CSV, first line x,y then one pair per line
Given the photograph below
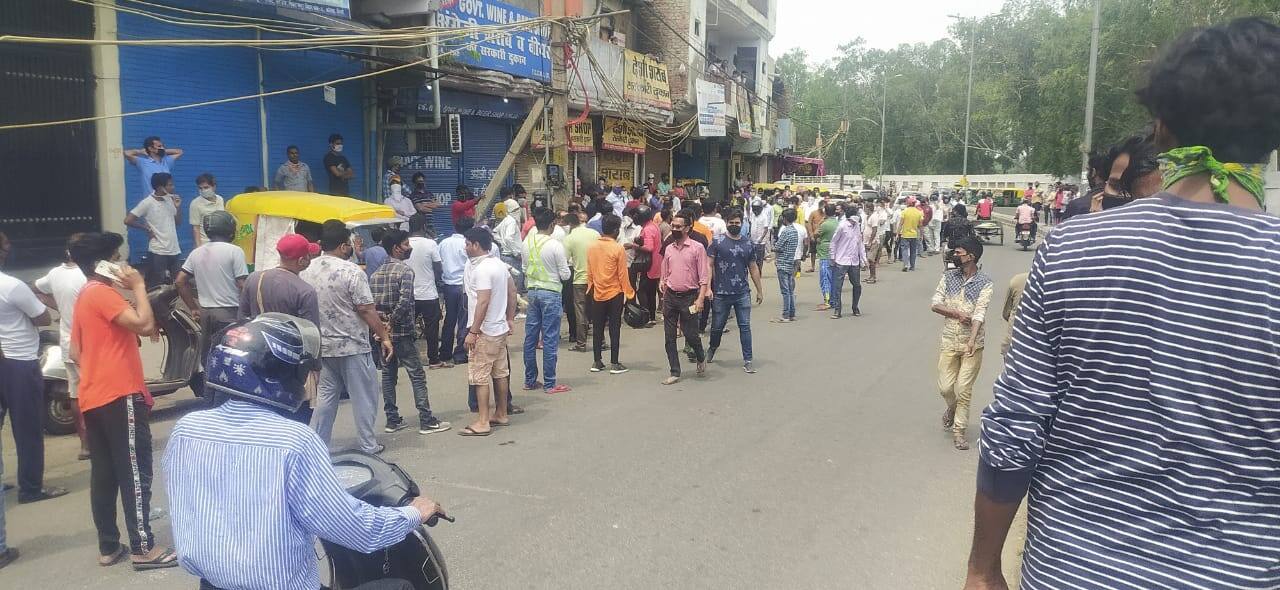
x,y
909,235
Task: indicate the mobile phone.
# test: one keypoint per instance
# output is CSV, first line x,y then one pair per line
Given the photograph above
x,y
110,270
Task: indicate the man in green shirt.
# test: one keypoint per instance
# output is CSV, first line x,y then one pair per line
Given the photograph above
x,y
825,231
576,243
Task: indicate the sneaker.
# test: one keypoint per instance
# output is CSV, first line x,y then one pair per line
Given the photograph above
x,y
857,313
435,425
579,348
617,369
747,367
395,425
376,451
711,355
597,367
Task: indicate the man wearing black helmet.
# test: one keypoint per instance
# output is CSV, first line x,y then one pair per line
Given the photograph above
x,y
244,476
218,270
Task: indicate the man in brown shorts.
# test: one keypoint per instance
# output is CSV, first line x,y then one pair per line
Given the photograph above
x,y
491,309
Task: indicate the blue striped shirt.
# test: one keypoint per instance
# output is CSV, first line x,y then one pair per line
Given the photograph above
x,y
249,492
1140,401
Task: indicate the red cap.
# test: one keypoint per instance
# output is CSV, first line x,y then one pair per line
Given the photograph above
x,y
313,248
295,246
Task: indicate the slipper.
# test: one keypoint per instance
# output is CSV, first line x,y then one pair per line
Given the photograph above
x,y
114,558
533,386
495,424
166,559
468,431
514,410
561,388
671,380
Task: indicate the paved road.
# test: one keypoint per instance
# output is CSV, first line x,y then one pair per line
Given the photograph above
x,y
827,469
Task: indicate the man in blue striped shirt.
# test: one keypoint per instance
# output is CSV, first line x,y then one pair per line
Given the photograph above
x,y
1139,402
249,489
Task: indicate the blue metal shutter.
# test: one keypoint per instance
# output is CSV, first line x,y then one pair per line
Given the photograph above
x,y
484,143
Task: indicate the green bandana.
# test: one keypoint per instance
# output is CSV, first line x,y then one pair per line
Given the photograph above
x,y
1179,163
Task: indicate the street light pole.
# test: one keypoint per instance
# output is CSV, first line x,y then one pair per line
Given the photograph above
x,y
884,101
1087,144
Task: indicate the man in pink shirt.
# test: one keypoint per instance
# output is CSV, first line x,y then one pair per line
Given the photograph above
x,y
651,242
683,282
1026,215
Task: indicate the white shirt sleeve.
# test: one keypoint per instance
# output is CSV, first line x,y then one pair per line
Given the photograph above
x,y
142,208
241,269
44,284
25,300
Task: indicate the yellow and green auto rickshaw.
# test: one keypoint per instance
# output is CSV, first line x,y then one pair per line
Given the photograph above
x,y
263,217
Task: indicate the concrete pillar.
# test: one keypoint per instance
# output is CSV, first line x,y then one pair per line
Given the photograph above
x,y
109,133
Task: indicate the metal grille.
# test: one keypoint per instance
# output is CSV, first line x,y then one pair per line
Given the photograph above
x,y
432,141
49,180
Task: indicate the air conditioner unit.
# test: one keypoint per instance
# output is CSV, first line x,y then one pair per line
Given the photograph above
x,y
455,134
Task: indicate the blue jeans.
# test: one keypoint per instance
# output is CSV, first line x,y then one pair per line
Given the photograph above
x,y
453,337
741,306
910,248
542,320
826,267
787,283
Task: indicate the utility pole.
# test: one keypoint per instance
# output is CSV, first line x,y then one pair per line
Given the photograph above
x,y
968,103
884,102
1087,144
560,106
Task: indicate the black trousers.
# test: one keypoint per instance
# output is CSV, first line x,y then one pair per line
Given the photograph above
x,y
647,293
22,398
675,308
119,436
606,314
566,303
428,311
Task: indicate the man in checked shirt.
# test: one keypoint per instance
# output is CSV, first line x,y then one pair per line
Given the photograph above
x,y
392,287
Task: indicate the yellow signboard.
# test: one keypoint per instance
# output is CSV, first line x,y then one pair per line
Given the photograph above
x,y
645,81
617,168
581,137
621,135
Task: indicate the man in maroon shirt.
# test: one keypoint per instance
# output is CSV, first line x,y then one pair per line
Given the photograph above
x,y
464,204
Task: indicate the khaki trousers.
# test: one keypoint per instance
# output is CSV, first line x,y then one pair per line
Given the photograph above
x,y
956,375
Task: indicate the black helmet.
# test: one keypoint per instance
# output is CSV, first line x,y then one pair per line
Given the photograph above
x,y
219,224
265,360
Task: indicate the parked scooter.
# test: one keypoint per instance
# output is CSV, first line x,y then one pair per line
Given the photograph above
x,y
180,334
416,559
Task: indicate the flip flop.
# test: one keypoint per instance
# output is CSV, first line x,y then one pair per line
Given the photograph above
x,y
114,558
166,559
468,431
493,424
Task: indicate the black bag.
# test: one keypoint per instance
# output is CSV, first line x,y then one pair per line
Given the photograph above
x,y
634,314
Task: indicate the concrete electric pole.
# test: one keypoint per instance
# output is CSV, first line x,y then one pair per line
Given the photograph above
x,y
560,107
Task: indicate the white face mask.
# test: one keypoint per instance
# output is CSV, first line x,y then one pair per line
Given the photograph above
x,y
396,191
208,193
337,148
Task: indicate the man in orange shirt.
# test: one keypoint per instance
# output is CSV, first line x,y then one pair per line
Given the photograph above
x,y
115,402
609,286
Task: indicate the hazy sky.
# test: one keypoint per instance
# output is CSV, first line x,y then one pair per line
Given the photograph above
x,y
820,26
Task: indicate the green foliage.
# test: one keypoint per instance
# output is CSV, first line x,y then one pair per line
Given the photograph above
x,y
1030,74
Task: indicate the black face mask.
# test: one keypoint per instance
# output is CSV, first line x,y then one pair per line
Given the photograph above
x,y
1109,201
734,230
677,233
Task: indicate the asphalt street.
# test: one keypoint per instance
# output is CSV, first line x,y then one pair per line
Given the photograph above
x,y
827,469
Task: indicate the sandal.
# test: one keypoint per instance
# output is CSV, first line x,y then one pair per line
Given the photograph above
x,y
114,558
167,558
468,431
948,417
960,443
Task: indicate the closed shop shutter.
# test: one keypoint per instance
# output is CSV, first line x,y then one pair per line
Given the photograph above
x,y
221,139
484,143
442,172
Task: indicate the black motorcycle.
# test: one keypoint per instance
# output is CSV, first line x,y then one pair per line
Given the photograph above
x,y
416,559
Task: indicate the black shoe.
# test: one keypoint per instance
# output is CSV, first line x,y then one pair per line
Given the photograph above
x,y
8,557
395,425
435,425
597,367
711,355
857,313
617,369
44,494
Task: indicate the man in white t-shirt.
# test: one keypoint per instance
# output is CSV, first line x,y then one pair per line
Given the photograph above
x,y
424,260
157,215
58,289
491,309
711,219
219,270
21,383
207,201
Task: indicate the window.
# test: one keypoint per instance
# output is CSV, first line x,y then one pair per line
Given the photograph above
x,y
431,141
